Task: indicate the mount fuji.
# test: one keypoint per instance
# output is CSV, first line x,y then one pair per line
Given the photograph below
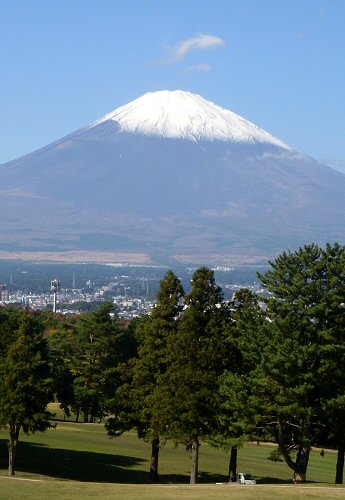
x,y
176,178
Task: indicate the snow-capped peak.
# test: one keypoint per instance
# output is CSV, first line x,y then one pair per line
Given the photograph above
x,y
183,115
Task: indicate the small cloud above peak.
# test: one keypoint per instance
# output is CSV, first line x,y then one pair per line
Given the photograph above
x,y
201,68
199,42
301,35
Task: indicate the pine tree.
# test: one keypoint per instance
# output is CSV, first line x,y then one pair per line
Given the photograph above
x,y
96,361
188,394
331,323
62,347
9,324
155,335
302,315
243,346
24,385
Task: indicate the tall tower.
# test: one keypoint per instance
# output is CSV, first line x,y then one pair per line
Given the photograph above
x,y
55,287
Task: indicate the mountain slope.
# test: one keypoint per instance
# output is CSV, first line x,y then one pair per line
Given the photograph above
x,y
173,175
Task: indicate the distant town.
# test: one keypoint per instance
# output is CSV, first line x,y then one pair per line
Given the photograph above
x,y
81,288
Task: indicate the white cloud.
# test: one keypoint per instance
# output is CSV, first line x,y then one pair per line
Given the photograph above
x,y
201,68
290,154
199,42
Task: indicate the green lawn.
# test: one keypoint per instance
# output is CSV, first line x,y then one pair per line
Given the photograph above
x,y
80,461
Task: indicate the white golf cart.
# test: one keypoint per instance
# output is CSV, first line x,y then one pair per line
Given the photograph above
x,y
245,478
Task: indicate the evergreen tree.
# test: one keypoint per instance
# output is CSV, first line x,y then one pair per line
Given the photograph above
x,y
62,347
155,335
188,395
243,346
96,361
331,324
24,384
9,324
302,318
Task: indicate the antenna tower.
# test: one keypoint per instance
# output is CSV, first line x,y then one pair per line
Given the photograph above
x,y
55,287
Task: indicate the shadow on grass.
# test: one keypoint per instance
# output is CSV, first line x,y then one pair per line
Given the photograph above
x,y
36,458
273,480
277,480
204,478
76,465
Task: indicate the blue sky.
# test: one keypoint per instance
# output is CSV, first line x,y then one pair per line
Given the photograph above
x,y
278,63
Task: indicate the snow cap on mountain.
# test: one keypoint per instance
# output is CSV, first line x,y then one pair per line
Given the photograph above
x,y
183,115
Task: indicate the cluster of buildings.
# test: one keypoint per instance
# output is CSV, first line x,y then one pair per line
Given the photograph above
x,y
4,294
75,301
133,295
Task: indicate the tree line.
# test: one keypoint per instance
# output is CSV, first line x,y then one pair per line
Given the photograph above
x,y
198,368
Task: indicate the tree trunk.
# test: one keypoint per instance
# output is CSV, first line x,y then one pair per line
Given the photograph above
x,y
233,465
12,449
340,463
300,466
302,460
153,474
194,473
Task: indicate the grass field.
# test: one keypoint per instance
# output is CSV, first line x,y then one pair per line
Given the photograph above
x,y
80,461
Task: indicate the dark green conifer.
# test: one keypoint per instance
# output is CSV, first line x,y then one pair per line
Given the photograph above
x,y
24,384
189,395
303,320
156,334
